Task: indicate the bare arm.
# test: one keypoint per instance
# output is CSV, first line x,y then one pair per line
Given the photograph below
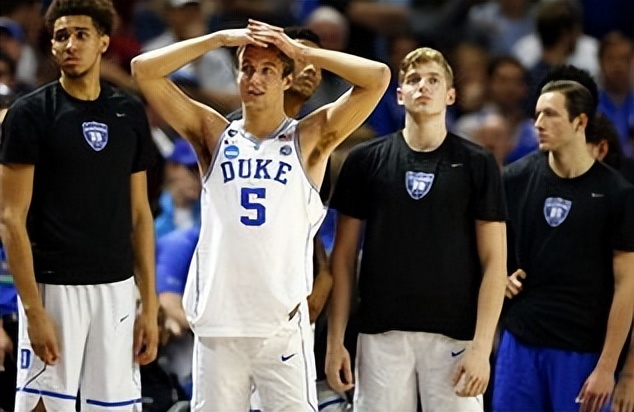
x,y
323,282
144,269
474,368
199,124
597,388
175,321
623,397
343,263
324,129
16,189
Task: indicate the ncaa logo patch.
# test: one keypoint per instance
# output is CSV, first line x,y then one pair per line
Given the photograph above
x,y
556,210
285,150
232,151
96,134
418,184
232,132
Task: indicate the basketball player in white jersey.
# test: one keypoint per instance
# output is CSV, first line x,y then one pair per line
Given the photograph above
x,y
244,298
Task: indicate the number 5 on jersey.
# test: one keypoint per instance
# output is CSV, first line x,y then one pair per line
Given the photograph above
x,y
249,200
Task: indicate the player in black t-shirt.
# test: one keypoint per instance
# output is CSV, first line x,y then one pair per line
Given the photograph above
x,y
431,281
572,265
76,225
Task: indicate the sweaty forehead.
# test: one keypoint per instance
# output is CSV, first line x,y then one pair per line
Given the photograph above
x,y
255,54
73,22
426,69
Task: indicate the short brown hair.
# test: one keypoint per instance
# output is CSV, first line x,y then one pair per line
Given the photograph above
x,y
288,64
424,55
102,13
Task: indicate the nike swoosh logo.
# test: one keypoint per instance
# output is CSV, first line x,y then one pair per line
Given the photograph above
x,y
456,164
597,194
124,318
454,354
120,114
285,358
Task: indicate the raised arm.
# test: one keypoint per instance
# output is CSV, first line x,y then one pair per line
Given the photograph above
x,y
16,189
323,130
199,124
474,369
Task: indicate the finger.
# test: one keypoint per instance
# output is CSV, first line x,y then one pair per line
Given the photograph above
x,y
521,274
601,401
52,348
138,341
455,378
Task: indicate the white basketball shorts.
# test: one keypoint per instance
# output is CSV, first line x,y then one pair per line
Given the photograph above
x,y
392,367
95,324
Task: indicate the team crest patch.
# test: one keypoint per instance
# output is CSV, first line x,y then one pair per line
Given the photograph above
x,y
96,134
418,184
286,150
556,210
232,151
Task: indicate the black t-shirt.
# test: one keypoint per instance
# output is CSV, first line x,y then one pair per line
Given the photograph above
x,y
420,269
565,232
80,219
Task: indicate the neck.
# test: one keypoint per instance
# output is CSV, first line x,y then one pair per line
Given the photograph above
x,y
555,55
424,134
571,162
293,103
85,87
262,123
617,94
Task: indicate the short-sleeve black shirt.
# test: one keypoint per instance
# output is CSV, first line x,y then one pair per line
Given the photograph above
x,y
565,233
420,269
80,219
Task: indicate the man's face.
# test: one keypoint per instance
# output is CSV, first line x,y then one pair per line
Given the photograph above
x,y
306,77
507,85
424,90
77,45
260,76
616,66
555,130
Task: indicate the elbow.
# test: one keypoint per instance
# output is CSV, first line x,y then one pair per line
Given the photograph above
x,y
384,76
138,67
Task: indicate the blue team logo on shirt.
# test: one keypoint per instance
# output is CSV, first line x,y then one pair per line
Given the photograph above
x,y
285,150
556,210
96,134
418,184
232,151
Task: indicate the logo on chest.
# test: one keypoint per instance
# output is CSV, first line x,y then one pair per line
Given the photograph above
x,y
96,134
556,210
418,184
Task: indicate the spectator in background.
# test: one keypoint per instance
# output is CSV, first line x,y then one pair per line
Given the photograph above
x,y
616,94
28,15
604,145
502,23
210,79
332,29
559,40
389,115
180,201
506,94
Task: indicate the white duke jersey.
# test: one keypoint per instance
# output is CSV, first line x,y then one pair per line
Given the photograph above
x,y
253,262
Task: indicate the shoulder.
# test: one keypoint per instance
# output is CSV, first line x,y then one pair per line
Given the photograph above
x,y
35,101
615,179
122,98
375,147
459,146
524,166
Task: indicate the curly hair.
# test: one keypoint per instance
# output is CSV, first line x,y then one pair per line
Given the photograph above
x,y
102,13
